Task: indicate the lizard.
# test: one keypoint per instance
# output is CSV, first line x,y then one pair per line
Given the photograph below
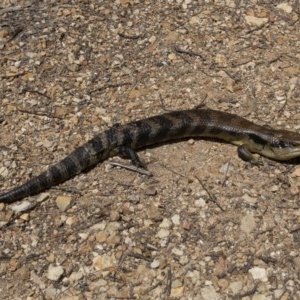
x,y
280,145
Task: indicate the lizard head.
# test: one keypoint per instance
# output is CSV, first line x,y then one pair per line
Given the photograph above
x,y
285,145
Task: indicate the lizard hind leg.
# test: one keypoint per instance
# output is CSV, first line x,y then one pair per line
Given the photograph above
x,y
131,154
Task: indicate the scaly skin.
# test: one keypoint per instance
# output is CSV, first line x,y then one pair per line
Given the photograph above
x,y
125,139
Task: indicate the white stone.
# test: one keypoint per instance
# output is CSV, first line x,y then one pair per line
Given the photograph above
x,y
249,199
152,39
155,264
200,202
23,206
165,223
42,197
55,272
209,293
259,273
51,293
75,276
176,220
230,3
236,287
177,251
162,233
285,7
248,224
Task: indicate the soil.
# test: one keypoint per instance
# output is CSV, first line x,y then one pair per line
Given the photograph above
x,y
205,225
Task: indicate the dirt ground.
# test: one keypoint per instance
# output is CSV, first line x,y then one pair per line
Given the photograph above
x,y
206,225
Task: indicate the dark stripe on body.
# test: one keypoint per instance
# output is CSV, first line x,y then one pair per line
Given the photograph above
x,y
97,144
162,130
257,139
144,130
184,126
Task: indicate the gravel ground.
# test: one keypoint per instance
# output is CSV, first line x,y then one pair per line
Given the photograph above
x,y
206,225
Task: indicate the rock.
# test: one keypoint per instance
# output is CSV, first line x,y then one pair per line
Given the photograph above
x,y
151,191
230,3
259,273
259,297
70,298
248,224
23,206
186,225
24,217
274,188
55,272
138,93
155,264
253,21
177,251
296,172
195,20
183,260
250,200
162,233
63,202
236,287
209,293
223,283
103,262
200,202
172,56
285,7
51,293
176,220
165,223
75,276
42,197
112,228
101,237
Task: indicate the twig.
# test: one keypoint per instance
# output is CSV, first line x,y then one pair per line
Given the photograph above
x,y
131,168
268,259
274,59
163,104
256,28
185,59
151,288
174,172
212,197
241,63
131,37
15,33
139,256
248,293
294,230
191,53
109,86
226,175
169,283
12,9
13,75
36,92
37,114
